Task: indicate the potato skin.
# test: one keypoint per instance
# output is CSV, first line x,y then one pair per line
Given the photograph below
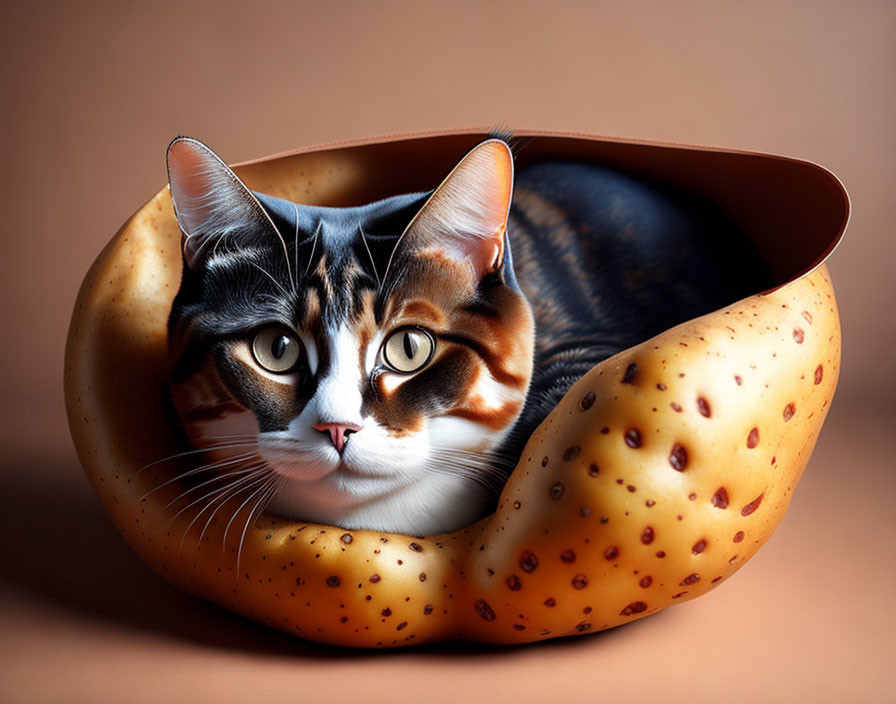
x,y
661,472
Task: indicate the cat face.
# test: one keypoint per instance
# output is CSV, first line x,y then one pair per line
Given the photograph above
x,y
367,361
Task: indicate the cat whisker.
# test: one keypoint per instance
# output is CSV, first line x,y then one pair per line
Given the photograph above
x,y
259,506
313,248
295,249
242,505
223,495
233,435
247,483
220,477
204,468
483,470
219,493
285,250
492,484
208,448
379,282
275,282
487,459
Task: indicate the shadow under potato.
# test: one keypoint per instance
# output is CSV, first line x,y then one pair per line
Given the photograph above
x,y
59,546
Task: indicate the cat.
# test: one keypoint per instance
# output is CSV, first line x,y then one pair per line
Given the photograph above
x,y
382,366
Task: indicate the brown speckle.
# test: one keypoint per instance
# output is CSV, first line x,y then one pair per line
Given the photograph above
x,y
630,372
580,581
416,547
635,607
571,453
808,316
738,536
738,379
633,438
699,546
611,552
798,336
752,506
374,578
650,503
513,583
550,602
647,535
720,498
678,458
528,561
690,579
422,577
789,410
333,581
386,613
675,407
544,461
484,610
661,386
593,471
703,407
568,556
646,581
556,491
427,610
692,496
661,554
819,374
516,505
401,625
519,627
583,627
753,438
587,401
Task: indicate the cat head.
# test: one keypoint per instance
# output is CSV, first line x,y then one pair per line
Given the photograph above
x,y
367,361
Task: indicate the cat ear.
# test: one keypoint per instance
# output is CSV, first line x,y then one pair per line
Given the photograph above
x,y
466,216
211,203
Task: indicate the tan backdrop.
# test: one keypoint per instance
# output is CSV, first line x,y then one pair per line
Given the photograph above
x,y
92,93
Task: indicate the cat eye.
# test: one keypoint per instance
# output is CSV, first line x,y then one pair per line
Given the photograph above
x,y
408,349
276,350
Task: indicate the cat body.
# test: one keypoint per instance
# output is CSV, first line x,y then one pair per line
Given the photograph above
x,y
382,366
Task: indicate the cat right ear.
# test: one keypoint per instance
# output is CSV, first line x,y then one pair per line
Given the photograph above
x,y
212,205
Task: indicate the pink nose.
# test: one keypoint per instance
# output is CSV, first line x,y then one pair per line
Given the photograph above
x,y
338,432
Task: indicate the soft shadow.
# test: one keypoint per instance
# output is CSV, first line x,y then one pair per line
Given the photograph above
x,y
58,545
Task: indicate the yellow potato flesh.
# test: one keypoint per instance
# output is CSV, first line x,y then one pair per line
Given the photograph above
x,y
648,485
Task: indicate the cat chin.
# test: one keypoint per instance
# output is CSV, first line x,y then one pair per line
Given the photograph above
x,y
427,506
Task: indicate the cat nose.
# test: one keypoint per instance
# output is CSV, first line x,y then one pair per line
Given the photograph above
x,y
339,432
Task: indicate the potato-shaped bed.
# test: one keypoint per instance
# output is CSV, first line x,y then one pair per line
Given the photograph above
x,y
658,476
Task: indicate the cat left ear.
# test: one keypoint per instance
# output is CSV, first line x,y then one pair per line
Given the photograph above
x,y
212,204
466,216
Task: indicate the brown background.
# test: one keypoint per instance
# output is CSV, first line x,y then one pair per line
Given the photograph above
x,y
91,96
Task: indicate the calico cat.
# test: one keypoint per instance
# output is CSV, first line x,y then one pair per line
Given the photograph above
x,y
382,366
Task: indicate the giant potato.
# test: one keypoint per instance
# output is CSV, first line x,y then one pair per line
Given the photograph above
x,y
659,474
